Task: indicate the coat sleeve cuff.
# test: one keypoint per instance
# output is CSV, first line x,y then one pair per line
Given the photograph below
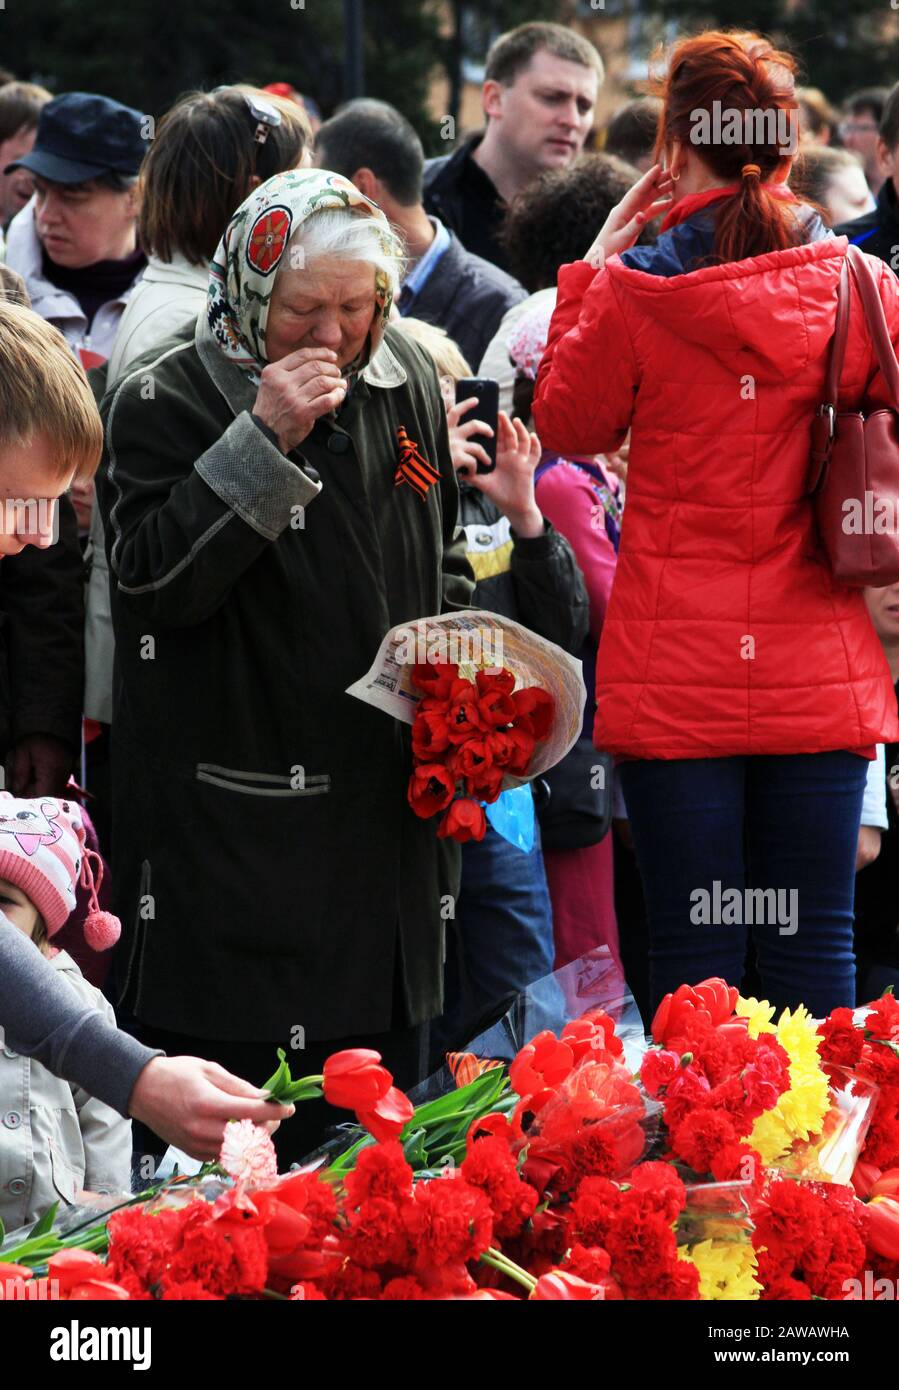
x,y
536,547
251,476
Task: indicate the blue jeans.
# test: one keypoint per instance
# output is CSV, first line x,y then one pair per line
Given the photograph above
x,y
750,823
501,939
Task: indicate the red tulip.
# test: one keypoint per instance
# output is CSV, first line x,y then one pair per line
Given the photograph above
x,y
496,708
883,1227
534,709
429,735
713,1001
886,1184
354,1079
541,1063
465,820
557,1285
431,789
309,1264
98,1291
864,1176
13,1279
497,680
435,678
463,716
285,1228
518,751
72,1267
485,786
389,1117
593,1033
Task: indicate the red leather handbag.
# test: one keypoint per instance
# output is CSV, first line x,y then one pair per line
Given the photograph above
x,y
855,457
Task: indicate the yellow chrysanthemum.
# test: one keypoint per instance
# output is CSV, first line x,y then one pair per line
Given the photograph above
x,y
726,1269
759,1012
800,1111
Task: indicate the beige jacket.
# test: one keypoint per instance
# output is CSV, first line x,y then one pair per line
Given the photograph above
x,y
169,294
55,1139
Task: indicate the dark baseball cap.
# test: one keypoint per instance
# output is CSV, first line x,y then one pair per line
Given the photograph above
x,y
81,136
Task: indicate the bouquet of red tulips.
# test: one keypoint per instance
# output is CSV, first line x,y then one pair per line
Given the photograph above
x,y
469,740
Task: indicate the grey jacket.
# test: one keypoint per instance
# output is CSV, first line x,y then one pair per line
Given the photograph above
x,y
56,1140
41,1016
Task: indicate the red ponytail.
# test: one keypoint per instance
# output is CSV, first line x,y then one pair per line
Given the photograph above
x,y
736,85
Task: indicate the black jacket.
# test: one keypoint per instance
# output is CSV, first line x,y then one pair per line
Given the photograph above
x,y
877,233
467,296
269,871
42,639
536,582
457,190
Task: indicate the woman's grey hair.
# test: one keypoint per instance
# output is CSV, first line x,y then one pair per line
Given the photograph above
x,y
347,236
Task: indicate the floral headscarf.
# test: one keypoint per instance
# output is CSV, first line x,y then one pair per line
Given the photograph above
x,y
249,256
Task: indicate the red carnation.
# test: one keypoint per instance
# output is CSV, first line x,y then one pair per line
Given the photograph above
x,y
381,1171
843,1042
376,1234
700,1136
490,1166
448,1221
660,1188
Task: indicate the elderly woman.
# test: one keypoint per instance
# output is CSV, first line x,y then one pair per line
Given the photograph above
x,y
263,532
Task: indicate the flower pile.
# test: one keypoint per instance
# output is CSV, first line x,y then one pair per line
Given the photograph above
x,y
566,1178
467,737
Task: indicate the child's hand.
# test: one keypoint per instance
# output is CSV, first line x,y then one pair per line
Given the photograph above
x,y
511,484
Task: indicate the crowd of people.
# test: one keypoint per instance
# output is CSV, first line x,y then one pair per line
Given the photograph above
x,y
213,344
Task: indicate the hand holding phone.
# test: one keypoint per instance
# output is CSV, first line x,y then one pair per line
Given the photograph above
x,y
485,411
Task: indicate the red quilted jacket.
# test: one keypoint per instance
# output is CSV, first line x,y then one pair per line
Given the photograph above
x,y
725,632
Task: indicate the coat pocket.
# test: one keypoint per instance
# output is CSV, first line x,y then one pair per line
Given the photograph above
x,y
66,1171
300,783
267,840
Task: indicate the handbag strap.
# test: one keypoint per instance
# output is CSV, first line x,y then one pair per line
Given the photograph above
x,y
872,307
867,281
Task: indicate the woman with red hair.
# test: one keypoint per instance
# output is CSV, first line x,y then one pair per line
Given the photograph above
x,y
741,687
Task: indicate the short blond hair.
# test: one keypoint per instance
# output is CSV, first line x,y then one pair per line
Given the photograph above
x,y
44,391
446,354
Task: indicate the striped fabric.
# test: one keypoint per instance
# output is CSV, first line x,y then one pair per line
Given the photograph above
x,y
41,844
413,467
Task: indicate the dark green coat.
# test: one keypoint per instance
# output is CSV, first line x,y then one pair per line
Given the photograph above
x,y
268,868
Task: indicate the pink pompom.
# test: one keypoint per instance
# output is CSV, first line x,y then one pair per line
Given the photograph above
x,y
101,930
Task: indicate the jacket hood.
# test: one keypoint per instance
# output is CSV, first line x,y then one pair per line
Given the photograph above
x,y
778,307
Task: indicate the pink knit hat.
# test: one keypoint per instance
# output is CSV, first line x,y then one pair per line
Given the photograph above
x,y
42,852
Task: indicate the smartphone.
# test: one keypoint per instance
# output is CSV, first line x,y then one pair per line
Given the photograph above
x,y
486,410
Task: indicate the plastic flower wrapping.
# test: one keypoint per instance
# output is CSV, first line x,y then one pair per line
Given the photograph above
x,y
563,1155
